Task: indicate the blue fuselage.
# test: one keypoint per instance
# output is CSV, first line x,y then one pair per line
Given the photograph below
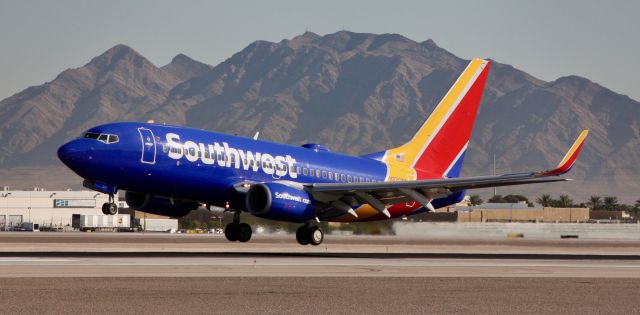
x,y
204,166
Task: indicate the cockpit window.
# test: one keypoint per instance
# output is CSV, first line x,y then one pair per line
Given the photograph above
x,y
102,137
91,135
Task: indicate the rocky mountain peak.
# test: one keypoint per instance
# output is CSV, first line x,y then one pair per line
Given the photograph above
x,y
304,39
118,54
184,67
430,44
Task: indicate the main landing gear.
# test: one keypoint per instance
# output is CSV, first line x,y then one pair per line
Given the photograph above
x,y
309,234
110,208
236,231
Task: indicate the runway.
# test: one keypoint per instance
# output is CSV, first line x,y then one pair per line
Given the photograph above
x,y
232,265
131,273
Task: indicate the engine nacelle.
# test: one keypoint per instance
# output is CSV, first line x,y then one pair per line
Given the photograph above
x,y
280,202
159,205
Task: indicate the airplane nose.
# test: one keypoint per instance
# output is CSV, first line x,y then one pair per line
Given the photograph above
x,y
72,152
65,153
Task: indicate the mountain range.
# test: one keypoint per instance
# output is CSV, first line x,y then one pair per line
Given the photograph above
x,y
356,93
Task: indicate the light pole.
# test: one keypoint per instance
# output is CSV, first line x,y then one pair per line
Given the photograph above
x,y
495,189
6,209
219,220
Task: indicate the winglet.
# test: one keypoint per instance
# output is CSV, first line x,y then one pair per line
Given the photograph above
x,y
570,158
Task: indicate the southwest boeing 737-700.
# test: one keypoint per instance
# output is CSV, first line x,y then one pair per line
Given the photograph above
x,y
172,170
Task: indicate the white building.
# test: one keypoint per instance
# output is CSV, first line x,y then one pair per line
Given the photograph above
x,y
47,208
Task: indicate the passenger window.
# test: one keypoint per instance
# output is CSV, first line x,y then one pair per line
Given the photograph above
x,y
361,180
349,178
311,172
318,173
330,176
165,148
305,171
368,180
343,178
297,169
324,174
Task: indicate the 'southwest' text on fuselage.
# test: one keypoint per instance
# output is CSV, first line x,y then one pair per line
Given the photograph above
x,y
226,156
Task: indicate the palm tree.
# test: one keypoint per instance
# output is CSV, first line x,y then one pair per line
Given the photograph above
x,y
545,200
610,203
564,201
496,199
595,202
475,200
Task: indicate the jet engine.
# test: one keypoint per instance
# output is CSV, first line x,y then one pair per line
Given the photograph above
x,y
159,205
280,202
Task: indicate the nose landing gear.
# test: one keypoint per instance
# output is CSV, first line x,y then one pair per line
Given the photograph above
x,y
110,208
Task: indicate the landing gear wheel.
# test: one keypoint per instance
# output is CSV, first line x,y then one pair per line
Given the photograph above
x,y
231,232
315,235
243,231
112,209
301,236
109,208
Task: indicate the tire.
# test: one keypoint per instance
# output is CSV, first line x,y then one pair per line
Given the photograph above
x,y
112,209
302,236
231,232
315,235
104,208
244,232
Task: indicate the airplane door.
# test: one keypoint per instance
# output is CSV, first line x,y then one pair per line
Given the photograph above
x,y
148,146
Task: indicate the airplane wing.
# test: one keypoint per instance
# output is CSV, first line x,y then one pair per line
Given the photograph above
x,y
381,194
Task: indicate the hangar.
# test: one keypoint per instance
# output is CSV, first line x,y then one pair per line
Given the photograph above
x,y
47,208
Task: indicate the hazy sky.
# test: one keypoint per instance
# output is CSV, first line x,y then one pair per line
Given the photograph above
x,y
595,39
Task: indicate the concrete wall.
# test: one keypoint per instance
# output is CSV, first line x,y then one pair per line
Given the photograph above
x,y
437,230
607,215
546,214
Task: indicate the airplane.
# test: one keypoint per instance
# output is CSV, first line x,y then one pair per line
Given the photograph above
x,y
172,170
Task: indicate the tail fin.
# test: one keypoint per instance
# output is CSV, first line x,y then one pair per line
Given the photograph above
x,y
439,146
